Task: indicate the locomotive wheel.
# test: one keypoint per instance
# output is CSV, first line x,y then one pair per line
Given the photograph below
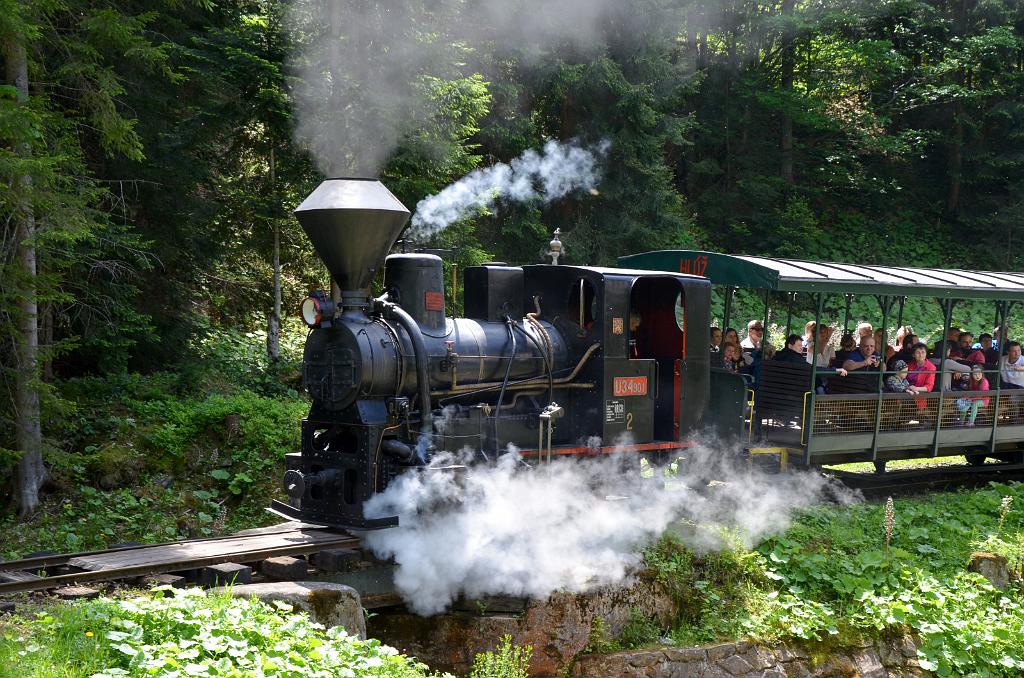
x,y
976,459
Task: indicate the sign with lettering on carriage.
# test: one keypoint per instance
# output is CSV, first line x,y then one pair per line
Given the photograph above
x,y
629,386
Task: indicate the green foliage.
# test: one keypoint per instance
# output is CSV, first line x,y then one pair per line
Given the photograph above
x,y
639,630
506,661
214,435
189,633
90,519
827,581
835,579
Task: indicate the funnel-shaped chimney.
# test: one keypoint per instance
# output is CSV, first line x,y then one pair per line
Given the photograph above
x,y
352,223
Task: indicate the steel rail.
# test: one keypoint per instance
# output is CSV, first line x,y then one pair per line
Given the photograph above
x,y
156,568
58,559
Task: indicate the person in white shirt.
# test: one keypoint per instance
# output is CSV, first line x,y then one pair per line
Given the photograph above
x,y
1012,366
821,351
1011,372
949,366
755,333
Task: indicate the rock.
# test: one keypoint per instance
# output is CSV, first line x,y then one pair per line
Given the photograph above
x,y
7,606
337,560
721,651
558,628
227,573
869,665
284,568
736,665
685,655
327,603
908,647
991,566
76,593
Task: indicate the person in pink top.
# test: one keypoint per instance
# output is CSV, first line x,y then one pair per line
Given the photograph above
x,y
922,374
969,405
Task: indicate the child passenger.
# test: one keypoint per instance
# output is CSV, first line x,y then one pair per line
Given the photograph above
x,y
898,383
969,405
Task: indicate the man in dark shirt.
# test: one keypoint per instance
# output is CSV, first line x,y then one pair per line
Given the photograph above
x,y
990,351
792,353
952,339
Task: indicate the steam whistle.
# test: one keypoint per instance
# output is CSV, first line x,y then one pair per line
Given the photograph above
x,y
557,249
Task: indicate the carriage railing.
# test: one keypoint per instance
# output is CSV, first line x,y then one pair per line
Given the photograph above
x,y
858,413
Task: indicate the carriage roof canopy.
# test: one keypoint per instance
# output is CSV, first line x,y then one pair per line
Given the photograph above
x,y
794,275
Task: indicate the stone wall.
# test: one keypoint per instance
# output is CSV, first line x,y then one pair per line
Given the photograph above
x,y
897,657
557,628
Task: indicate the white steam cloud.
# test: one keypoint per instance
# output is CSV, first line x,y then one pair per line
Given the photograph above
x,y
570,525
559,170
363,73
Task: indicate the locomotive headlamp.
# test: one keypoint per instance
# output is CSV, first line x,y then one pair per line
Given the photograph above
x,y
317,310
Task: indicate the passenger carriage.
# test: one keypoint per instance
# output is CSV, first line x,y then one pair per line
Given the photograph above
x,y
854,420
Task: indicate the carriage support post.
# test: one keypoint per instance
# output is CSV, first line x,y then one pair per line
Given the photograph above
x,y
886,304
947,306
808,422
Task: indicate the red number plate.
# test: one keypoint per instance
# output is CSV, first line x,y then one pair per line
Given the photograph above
x,y
434,301
630,386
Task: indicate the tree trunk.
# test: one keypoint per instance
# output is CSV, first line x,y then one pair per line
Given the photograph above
x,y
955,164
46,341
786,137
956,159
29,438
274,321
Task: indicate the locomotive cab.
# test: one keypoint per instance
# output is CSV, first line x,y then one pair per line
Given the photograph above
x,y
627,329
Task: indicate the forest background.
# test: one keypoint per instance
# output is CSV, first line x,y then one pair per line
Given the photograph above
x,y
149,165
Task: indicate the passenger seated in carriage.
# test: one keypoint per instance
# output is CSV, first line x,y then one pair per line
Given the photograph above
x,y
791,354
969,405
864,358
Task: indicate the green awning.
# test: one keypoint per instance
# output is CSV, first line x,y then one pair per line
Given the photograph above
x,y
794,275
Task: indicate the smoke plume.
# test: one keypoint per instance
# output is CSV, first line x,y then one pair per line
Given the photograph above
x,y
569,525
361,71
559,170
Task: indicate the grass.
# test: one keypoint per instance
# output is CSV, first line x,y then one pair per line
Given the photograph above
x,y
187,633
831,580
904,464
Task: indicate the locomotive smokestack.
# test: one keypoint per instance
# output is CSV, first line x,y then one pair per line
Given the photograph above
x,y
352,223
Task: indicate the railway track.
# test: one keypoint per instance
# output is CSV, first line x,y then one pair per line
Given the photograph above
x,y
936,479
250,546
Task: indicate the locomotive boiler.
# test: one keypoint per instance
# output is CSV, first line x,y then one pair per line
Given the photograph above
x,y
548,360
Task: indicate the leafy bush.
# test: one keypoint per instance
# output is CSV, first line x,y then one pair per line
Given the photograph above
x,y
639,631
835,579
506,661
189,634
168,455
829,580
90,519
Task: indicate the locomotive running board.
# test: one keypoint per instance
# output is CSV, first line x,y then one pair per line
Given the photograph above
x,y
291,513
610,449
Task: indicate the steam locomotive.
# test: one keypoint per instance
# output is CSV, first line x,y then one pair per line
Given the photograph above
x,y
549,360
